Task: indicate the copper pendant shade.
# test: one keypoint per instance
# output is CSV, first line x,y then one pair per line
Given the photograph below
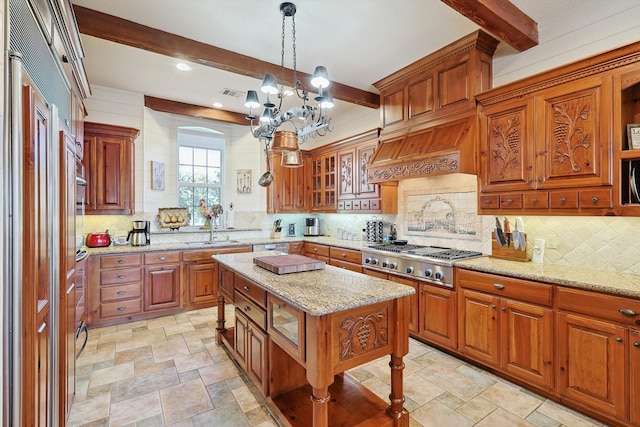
x,y
285,141
291,159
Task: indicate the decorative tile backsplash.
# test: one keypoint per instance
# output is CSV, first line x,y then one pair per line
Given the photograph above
x,y
603,243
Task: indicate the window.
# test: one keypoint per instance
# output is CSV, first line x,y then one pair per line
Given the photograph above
x,y
200,172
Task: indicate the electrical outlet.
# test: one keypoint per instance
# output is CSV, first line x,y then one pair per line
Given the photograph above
x,y
551,241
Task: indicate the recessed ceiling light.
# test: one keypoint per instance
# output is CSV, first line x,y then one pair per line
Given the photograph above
x,y
183,67
217,105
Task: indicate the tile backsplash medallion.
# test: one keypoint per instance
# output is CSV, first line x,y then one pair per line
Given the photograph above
x,y
601,242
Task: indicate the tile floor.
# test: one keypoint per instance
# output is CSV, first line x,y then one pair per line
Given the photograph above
x,y
169,371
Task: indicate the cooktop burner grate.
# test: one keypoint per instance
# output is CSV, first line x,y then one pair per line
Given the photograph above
x,y
390,247
454,254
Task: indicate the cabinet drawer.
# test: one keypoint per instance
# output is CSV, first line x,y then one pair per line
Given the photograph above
x,y
590,199
348,255
162,258
252,291
121,308
115,261
120,275
620,309
346,265
365,205
523,290
511,201
536,200
315,249
205,255
115,293
565,199
489,201
257,314
375,204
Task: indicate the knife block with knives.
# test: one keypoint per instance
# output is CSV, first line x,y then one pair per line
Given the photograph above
x,y
508,244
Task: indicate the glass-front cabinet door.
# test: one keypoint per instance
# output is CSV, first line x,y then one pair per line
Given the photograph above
x,y
286,327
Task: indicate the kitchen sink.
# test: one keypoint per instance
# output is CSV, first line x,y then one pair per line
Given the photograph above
x,y
215,243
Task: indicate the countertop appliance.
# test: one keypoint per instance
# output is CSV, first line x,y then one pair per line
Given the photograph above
x,y
140,234
431,264
98,240
312,227
281,247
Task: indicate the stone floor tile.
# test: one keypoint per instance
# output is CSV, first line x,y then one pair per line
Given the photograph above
x,y
420,390
136,325
185,400
154,421
135,409
502,417
124,335
189,375
178,328
257,415
134,355
169,350
89,357
476,375
435,414
450,400
566,416
112,374
477,408
218,372
220,394
542,420
160,322
192,361
141,384
245,399
225,416
90,410
512,399
452,381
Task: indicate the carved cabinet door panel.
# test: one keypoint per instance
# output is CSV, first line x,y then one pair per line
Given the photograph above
x,y
507,146
346,171
577,138
365,189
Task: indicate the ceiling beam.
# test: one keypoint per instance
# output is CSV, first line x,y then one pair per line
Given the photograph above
x,y
502,18
118,30
183,109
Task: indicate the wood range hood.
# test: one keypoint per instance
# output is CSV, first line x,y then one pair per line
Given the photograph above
x,y
441,149
428,112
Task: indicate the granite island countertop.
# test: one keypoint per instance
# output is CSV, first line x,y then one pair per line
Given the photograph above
x,y
566,275
317,292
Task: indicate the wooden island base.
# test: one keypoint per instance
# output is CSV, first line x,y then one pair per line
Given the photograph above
x,y
297,354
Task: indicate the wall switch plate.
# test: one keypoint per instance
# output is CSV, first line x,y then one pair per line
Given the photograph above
x,y
538,251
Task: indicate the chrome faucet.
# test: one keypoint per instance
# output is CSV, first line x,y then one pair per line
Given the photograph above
x,y
212,234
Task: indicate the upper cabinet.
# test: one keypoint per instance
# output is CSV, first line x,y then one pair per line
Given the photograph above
x,y
628,151
438,85
428,112
549,143
109,168
323,182
288,191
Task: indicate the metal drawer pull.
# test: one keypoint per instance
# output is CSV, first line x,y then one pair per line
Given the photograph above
x,y
504,308
563,199
121,261
498,286
534,200
493,306
121,276
246,288
594,199
509,201
42,327
636,344
618,339
121,292
344,255
628,312
540,179
121,308
315,249
162,258
247,309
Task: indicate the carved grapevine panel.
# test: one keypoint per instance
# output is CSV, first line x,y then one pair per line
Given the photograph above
x,y
506,153
363,334
346,173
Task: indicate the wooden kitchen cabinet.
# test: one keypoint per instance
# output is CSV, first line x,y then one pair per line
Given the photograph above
x,y
288,191
355,193
563,165
628,158
437,320
78,114
286,325
507,323
317,251
323,183
598,351
109,169
634,375
345,258
161,287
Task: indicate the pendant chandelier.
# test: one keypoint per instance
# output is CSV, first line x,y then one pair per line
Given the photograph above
x,y
313,119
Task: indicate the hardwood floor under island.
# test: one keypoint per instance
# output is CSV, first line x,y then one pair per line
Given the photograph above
x,y
296,334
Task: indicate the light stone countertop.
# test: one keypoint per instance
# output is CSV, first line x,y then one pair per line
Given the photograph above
x,y
571,276
317,292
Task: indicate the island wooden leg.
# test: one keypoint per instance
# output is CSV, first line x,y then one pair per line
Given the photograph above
x,y
220,330
320,398
396,408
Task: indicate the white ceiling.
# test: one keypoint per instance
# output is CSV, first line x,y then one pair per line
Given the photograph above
x,y
359,41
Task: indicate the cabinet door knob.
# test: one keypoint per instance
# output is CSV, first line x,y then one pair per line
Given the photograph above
x,y
498,286
246,288
509,201
493,306
534,200
618,339
594,199
636,344
628,312
529,180
540,179
487,201
247,309
162,258
315,249
344,255
563,199
504,308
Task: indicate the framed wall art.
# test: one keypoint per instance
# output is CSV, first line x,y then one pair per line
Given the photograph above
x,y
157,175
243,178
633,135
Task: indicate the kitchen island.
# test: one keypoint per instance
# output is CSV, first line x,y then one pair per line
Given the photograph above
x,y
295,335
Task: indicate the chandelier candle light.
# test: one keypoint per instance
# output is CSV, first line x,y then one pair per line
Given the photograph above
x,y
315,120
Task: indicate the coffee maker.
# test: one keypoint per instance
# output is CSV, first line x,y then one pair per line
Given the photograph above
x,y
140,235
312,227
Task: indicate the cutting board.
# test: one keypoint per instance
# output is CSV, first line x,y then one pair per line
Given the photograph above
x,y
285,264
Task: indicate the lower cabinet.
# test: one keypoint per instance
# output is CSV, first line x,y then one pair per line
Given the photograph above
x,y
348,259
316,251
507,323
161,287
599,352
414,322
251,350
202,280
437,315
